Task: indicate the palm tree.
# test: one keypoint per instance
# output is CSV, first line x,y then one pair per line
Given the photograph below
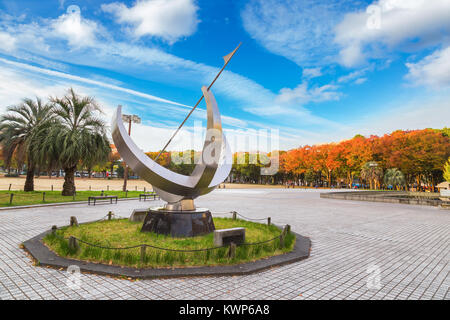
x,y
19,130
78,136
371,172
394,177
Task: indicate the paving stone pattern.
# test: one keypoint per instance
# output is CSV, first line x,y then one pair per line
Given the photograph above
x,y
354,244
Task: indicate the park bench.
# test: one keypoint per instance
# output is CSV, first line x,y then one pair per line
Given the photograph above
x,y
104,197
148,195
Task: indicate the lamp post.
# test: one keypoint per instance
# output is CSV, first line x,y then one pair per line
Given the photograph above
x,y
128,118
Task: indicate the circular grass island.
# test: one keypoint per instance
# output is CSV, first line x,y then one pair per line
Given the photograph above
x,y
120,242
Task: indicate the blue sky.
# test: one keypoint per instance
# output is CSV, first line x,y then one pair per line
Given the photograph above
x,y
317,71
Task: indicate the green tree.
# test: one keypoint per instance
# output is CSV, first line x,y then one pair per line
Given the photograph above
x,y
394,177
19,131
447,170
310,176
77,137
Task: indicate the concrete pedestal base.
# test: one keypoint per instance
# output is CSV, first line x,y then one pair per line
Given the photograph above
x,y
179,223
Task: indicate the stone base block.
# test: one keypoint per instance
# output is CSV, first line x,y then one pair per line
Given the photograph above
x,y
179,223
226,236
138,215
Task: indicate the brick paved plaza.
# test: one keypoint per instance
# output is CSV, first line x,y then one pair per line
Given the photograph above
x,y
409,245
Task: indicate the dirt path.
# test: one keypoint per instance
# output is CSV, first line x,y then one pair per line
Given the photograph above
x,y
98,184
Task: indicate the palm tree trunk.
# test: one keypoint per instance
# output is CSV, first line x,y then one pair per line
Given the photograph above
x,y
69,181
29,181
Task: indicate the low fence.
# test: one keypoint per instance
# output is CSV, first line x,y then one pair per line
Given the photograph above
x,y
18,198
148,252
82,184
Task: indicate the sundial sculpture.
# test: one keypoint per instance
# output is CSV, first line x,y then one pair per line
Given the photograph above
x,y
179,216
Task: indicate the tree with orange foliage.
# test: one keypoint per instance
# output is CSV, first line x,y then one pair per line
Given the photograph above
x,y
353,154
325,158
419,154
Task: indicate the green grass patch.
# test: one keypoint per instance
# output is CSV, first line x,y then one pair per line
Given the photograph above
x,y
122,233
22,198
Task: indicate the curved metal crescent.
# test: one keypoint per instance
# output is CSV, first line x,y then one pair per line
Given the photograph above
x,y
212,169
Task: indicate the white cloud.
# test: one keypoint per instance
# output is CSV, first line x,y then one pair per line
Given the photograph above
x,y
303,95
18,81
360,80
353,75
432,71
351,56
88,81
38,39
14,86
166,19
310,73
74,28
7,42
408,25
61,3
301,31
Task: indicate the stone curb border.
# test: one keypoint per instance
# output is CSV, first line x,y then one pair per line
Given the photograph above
x,y
380,196
47,258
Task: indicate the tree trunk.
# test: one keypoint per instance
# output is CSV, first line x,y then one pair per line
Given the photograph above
x,y
29,181
329,179
69,182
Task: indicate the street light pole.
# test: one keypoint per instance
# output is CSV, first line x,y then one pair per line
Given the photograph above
x,y
130,118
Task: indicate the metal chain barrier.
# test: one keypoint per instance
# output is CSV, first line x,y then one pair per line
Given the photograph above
x,y
109,217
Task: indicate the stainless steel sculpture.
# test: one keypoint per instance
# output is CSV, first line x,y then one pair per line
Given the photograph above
x,y
180,190
179,216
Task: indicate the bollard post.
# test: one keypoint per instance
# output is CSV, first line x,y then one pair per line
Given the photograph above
x,y
268,221
9,189
232,251
54,229
281,240
135,188
107,188
11,196
144,189
234,215
43,196
89,188
73,221
283,235
110,215
52,187
143,253
73,243
288,229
